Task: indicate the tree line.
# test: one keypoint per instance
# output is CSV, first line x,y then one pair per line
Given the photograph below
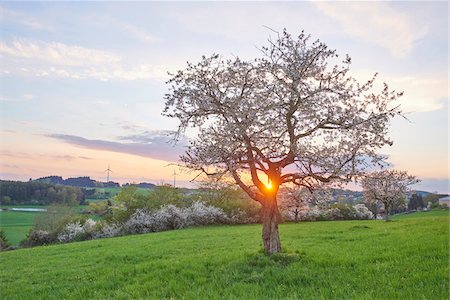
x,y
39,193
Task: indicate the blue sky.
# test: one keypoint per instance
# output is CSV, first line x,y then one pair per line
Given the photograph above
x,y
82,84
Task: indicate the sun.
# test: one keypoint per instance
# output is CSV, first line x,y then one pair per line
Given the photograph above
x,y
269,185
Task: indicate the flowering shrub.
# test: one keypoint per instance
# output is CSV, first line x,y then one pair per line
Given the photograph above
x,y
171,217
71,232
106,230
242,217
336,212
140,222
38,238
362,212
77,231
200,214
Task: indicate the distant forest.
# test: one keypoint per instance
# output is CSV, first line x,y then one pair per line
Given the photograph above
x,y
39,193
55,189
84,181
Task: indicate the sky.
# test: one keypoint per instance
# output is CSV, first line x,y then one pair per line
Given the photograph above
x,y
82,84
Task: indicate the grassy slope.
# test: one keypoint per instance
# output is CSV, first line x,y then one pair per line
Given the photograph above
x,y
405,259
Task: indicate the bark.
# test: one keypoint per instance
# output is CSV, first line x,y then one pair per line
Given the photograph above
x,y
386,213
271,217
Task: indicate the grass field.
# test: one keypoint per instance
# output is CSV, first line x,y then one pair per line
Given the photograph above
x,y
16,225
403,259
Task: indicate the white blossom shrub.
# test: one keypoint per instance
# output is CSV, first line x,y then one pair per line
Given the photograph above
x,y
171,217
362,212
241,217
313,215
200,214
89,225
71,232
341,212
108,230
141,221
332,214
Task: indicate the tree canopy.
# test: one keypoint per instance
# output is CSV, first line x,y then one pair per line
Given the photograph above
x,y
388,187
294,115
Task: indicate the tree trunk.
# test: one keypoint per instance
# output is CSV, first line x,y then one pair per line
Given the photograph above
x,y
296,215
386,214
270,219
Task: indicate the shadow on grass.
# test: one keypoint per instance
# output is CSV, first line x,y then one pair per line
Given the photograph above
x,y
255,267
359,227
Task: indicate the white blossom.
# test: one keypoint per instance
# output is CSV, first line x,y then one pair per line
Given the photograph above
x,y
71,232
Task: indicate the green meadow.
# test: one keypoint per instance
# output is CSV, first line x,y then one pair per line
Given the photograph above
x,y
17,224
403,259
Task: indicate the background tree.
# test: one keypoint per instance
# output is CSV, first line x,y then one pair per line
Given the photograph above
x,y
231,199
373,205
389,187
416,202
432,200
288,117
294,200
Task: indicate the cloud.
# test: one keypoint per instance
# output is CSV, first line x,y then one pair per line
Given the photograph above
x,y
10,166
44,59
376,22
24,97
22,155
20,18
129,126
102,73
150,144
421,93
28,96
58,53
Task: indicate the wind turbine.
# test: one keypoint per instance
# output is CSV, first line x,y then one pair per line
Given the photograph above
x,y
107,174
174,175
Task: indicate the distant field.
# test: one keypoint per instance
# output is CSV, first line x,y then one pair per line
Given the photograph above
x,y
403,259
16,225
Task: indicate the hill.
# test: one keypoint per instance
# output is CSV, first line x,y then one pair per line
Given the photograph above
x,y
404,259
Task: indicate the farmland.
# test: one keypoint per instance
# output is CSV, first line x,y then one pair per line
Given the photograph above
x,y
403,259
17,224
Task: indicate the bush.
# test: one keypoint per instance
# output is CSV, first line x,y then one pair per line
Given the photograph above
x,y
236,204
200,214
105,230
58,224
140,222
71,232
171,217
77,231
4,243
37,237
362,212
337,212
